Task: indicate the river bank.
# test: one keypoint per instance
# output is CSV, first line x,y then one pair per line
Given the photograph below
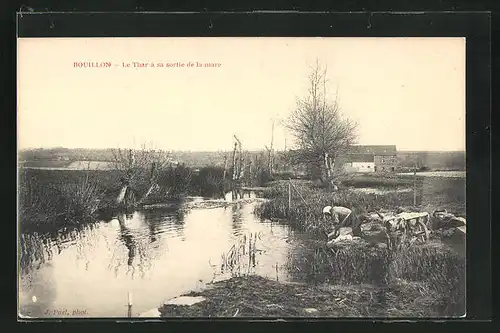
x,y
350,281
353,280
164,252
254,296
56,198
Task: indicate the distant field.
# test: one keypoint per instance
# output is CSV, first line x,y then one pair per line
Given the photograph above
x,y
434,160
429,159
45,164
446,174
434,190
446,193
68,165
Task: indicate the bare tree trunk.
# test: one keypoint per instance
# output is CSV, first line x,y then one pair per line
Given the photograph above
x,y
241,163
224,176
269,162
256,170
233,180
121,194
148,192
249,177
152,182
327,166
271,152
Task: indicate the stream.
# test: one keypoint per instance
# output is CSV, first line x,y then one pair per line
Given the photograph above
x,y
153,255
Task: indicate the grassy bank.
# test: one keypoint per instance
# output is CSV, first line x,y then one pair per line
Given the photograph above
x,y
50,197
351,280
254,296
438,270
432,192
54,198
437,267
307,203
307,200
382,181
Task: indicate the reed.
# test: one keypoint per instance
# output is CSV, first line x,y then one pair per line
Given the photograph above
x,y
240,258
44,203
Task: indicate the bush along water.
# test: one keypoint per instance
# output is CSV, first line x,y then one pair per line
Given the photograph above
x,y
45,202
307,202
54,198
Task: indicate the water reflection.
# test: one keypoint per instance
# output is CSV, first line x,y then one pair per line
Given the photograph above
x,y
127,238
155,254
236,210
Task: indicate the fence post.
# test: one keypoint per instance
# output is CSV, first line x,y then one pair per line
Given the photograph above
x,y
129,304
289,196
277,278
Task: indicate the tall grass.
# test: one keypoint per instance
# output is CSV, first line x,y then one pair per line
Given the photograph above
x,y
239,260
432,192
306,208
43,202
384,181
53,198
432,271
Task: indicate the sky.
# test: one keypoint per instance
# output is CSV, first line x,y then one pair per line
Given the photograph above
x,y
408,92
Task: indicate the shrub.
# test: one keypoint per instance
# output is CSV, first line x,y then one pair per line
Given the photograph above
x,y
306,208
43,200
208,182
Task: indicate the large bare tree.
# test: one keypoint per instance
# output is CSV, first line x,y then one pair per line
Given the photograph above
x,y
321,131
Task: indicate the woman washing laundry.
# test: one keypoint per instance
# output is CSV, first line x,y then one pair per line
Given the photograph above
x,y
341,217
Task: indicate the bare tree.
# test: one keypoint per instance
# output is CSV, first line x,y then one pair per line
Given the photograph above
x,y
270,151
321,132
139,173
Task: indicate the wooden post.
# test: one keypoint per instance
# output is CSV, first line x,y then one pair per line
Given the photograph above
x,y
415,185
233,180
129,304
289,196
271,157
277,271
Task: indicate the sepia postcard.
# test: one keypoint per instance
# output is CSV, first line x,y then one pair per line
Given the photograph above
x,y
241,177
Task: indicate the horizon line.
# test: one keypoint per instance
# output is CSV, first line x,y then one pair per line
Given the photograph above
x,y
226,150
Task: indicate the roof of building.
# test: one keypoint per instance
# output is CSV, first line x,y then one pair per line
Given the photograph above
x,y
388,150
361,158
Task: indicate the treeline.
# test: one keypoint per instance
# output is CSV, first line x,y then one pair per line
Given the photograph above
x,y
54,154
281,163
433,160
192,159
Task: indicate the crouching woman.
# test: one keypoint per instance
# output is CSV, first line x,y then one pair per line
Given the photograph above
x,y
341,217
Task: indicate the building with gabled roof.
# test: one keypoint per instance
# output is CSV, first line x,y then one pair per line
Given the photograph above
x,y
371,158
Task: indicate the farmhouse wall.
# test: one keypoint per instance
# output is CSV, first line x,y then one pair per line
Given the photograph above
x,y
385,163
363,166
